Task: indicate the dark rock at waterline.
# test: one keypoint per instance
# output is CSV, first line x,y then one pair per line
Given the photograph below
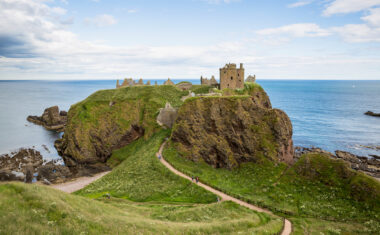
x,y
370,113
53,173
51,119
370,166
20,165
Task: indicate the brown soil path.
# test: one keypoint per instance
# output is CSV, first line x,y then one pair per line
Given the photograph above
x,y
224,197
72,186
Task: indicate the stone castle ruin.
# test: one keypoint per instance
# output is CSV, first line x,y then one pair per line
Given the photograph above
x,y
209,82
128,82
230,77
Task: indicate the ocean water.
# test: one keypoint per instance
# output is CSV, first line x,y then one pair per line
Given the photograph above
x,y
326,114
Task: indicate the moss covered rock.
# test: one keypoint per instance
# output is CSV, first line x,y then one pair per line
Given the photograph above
x,y
225,131
110,119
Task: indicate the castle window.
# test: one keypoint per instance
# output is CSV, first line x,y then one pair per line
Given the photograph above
x,y
232,78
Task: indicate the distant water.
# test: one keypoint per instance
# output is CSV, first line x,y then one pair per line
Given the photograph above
x,y
326,114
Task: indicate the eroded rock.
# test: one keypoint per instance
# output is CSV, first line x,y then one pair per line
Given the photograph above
x,y
51,119
226,131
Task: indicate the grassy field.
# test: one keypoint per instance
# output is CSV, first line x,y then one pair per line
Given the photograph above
x,y
35,209
334,200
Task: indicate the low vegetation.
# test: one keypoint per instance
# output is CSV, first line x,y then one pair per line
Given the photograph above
x,y
35,209
318,194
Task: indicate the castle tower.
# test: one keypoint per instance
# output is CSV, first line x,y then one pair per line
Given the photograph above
x,y
117,83
232,77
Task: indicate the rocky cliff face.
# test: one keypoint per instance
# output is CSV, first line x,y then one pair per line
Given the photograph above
x,y
226,131
110,119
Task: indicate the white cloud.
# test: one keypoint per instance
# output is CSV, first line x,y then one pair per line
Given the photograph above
x,y
358,33
35,45
296,30
349,6
300,4
373,17
101,20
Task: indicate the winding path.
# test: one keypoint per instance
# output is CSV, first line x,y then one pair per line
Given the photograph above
x,y
287,229
72,186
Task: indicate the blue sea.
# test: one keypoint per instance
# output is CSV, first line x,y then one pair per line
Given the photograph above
x,y
326,114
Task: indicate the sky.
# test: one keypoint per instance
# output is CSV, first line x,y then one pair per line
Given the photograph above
x,y
114,39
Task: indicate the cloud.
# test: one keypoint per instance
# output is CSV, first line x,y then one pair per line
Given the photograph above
x,y
349,6
300,4
101,20
358,33
373,18
296,30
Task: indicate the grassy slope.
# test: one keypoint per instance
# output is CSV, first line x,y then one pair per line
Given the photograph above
x,y
314,204
141,177
34,209
94,117
172,208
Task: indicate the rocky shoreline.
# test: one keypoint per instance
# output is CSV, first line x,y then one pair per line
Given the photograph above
x,y
52,119
27,165
369,166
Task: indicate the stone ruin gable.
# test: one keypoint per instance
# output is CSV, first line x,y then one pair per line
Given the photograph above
x,y
251,78
209,82
128,82
232,77
167,116
185,86
169,82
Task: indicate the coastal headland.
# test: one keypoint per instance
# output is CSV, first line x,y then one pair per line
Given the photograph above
x,y
225,136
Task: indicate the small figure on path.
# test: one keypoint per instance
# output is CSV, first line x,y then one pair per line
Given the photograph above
x,y
159,156
197,179
192,178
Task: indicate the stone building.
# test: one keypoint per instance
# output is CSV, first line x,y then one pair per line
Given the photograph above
x,y
128,82
169,82
209,82
251,78
232,77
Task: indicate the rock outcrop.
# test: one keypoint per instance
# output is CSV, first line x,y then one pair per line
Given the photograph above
x,y
167,116
226,131
20,165
370,113
370,166
51,119
24,164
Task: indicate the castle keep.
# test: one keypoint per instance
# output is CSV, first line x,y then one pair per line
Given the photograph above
x,y
231,77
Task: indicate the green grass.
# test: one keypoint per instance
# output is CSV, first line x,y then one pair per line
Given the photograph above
x,y
141,177
331,196
200,89
36,209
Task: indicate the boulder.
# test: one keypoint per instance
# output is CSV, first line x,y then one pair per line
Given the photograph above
x,y
226,131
